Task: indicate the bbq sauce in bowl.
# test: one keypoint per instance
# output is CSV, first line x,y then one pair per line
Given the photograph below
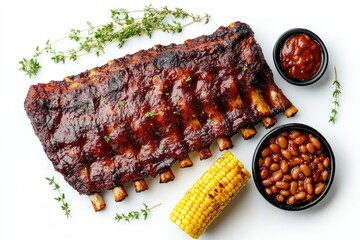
x,y
300,56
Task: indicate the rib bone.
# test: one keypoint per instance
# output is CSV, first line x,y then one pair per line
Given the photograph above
x,y
97,201
119,193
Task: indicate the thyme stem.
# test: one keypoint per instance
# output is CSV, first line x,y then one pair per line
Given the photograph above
x,y
135,214
123,26
61,196
335,102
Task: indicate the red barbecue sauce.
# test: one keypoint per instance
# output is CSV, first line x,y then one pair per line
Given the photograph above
x,y
301,57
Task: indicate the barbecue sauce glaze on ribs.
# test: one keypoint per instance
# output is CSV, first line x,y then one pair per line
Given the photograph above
x,y
134,116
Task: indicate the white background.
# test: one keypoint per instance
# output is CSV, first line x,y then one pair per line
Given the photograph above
x,y
27,208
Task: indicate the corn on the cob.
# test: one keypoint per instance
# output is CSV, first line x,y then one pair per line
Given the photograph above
x,y
209,195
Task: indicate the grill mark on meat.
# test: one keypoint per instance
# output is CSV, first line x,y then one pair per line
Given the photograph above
x,y
135,116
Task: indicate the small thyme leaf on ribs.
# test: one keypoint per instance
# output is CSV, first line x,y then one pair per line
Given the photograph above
x,y
335,102
144,212
61,196
124,25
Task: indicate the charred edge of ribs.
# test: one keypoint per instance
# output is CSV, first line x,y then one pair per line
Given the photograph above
x,y
135,116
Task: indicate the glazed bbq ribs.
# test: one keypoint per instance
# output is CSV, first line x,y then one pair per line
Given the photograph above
x,y
135,116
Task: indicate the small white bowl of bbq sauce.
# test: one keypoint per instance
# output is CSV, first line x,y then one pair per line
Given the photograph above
x,y
300,56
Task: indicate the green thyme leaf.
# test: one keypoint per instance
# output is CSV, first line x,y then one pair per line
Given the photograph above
x,y
149,114
107,139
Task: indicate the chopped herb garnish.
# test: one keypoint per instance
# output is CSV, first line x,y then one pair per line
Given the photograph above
x,y
188,79
244,69
162,147
175,113
121,104
107,139
167,94
208,120
149,114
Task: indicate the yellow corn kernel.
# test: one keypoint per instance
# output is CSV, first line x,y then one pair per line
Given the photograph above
x,y
209,195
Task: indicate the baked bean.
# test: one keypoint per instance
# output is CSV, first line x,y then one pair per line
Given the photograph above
x,y
311,148
300,195
282,141
298,161
302,148
277,176
309,197
322,157
291,200
268,191
274,167
324,175
293,187
266,152
326,163
261,162
294,134
282,185
284,166
301,139
319,188
277,158
264,173
305,169
275,148
280,198
267,182
267,162
285,193
284,134
295,172
305,157
308,185
294,167
286,154
320,166
309,188
315,142
274,189
287,177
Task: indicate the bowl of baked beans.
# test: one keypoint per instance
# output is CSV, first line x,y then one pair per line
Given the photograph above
x,y
293,166
300,56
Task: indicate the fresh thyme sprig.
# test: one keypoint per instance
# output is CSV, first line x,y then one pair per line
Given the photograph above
x,y
61,197
335,101
123,26
135,214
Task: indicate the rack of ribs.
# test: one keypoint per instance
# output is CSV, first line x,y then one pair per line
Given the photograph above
x,y
135,116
